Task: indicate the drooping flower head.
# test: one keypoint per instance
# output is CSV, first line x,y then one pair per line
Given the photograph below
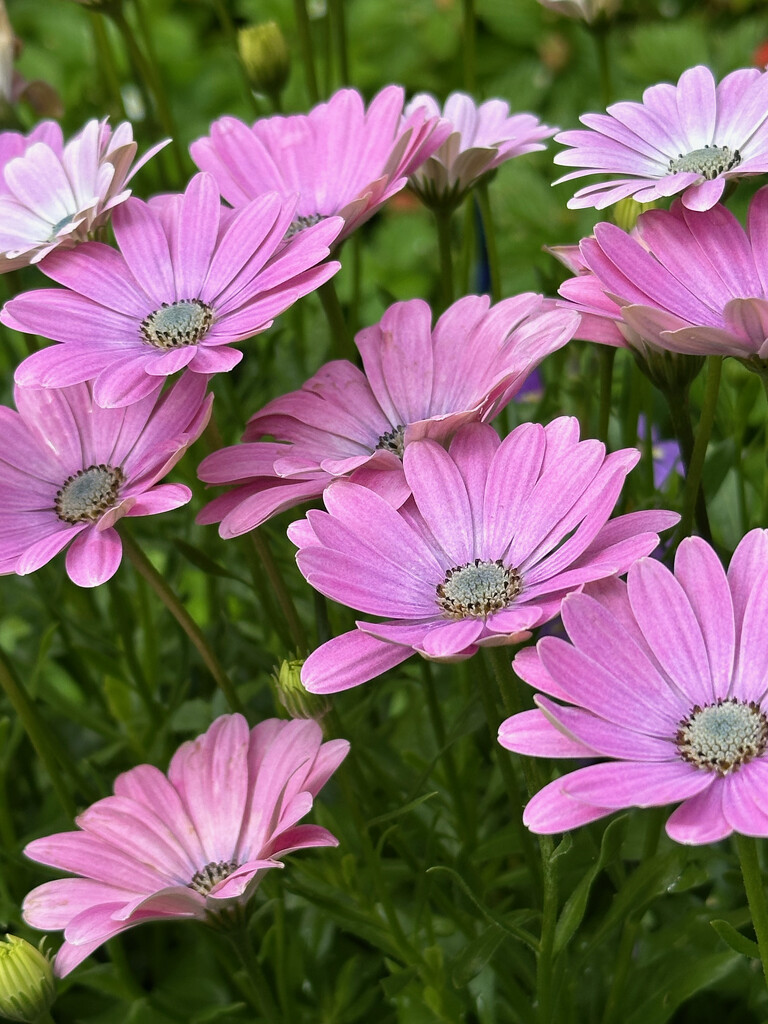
x,y
494,535
690,138
417,382
483,137
188,845
666,675
70,470
190,279
341,159
53,195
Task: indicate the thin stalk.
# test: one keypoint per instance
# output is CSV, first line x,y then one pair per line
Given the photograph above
x,y
305,45
144,567
228,27
339,29
695,466
545,989
679,411
607,354
106,62
491,250
467,244
443,223
746,847
468,44
281,591
463,818
341,341
764,378
240,941
600,35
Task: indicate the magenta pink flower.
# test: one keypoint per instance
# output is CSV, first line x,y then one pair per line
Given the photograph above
x,y
483,137
341,159
690,282
690,138
187,845
667,674
190,279
417,383
52,194
70,469
494,536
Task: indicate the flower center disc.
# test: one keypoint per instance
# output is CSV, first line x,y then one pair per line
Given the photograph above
x,y
708,161
478,589
209,876
299,223
393,441
84,497
722,737
177,324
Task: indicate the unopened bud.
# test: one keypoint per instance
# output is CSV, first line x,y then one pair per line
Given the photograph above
x,y
297,701
626,212
265,57
26,980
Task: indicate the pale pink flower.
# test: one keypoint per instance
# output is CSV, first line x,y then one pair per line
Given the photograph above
x,y
494,535
341,159
483,136
190,279
189,845
54,195
69,470
417,382
692,137
667,675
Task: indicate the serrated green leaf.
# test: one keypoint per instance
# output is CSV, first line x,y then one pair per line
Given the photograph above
x,y
733,938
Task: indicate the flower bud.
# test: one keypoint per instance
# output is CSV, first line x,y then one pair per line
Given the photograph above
x,y
265,57
290,691
626,212
26,980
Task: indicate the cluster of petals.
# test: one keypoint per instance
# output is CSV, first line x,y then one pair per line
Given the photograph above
x,y
190,278
52,194
187,845
689,282
341,159
495,534
483,137
417,382
666,675
691,138
69,470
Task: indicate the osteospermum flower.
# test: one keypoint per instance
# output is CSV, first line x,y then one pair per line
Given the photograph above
x,y
494,536
53,195
70,470
341,159
483,137
665,674
190,279
690,138
416,383
188,845
690,282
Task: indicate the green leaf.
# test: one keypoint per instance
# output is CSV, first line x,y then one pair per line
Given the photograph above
x,y
682,980
738,942
476,955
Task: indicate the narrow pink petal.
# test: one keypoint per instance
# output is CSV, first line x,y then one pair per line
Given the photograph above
x,y
530,732
94,557
552,810
441,496
700,819
144,245
348,660
630,784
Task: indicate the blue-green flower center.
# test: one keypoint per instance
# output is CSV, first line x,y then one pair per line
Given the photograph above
x,y
709,161
85,496
177,324
478,589
722,737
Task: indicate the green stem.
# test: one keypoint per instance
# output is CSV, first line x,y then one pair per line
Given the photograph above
x,y
607,355
228,27
484,202
754,887
693,501
240,941
693,495
763,374
305,45
342,345
339,28
600,35
443,222
282,593
545,990
106,62
144,567
468,42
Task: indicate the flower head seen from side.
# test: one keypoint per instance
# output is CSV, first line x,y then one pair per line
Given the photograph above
x,y
483,137
69,470
190,279
665,675
341,159
495,534
55,194
692,137
187,845
416,382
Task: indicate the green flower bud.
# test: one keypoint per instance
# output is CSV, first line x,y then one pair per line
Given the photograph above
x,y
26,980
626,212
290,691
265,57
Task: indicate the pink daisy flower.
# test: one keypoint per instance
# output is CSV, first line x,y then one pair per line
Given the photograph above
x,y
341,159
690,138
417,382
494,536
187,845
690,282
190,279
483,137
54,194
665,674
70,469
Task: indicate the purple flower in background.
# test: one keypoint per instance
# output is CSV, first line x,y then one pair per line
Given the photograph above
x,y
666,454
70,469
665,674
190,279
690,138
187,845
417,382
494,535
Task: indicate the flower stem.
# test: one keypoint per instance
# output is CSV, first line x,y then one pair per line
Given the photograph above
x,y
106,63
305,45
468,41
693,495
443,223
607,356
763,374
341,342
545,994
144,567
746,847
694,505
600,35
240,941
339,28
282,593
491,250
228,27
